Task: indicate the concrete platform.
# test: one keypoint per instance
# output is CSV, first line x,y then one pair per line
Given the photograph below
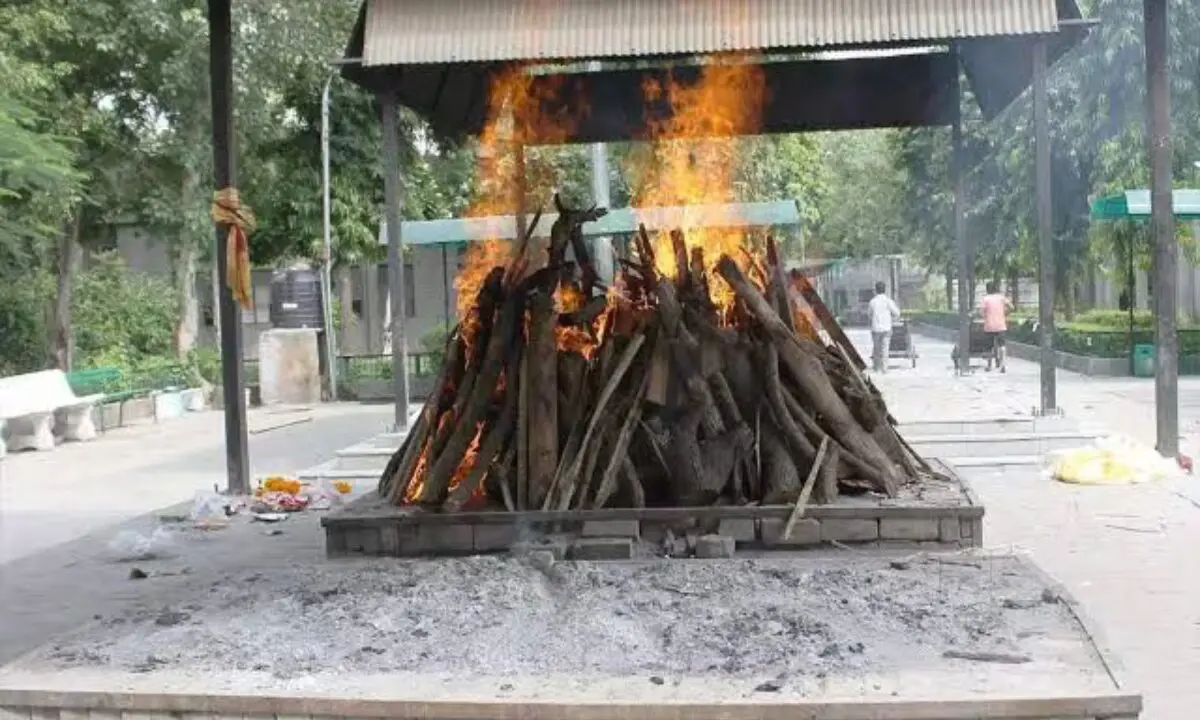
x,y
1065,671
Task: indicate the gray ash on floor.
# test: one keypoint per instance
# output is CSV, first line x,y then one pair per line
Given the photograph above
x,y
509,616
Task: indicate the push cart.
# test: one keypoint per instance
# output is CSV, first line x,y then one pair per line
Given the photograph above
x,y
982,345
901,343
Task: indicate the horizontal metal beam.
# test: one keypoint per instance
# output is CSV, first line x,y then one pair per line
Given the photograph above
x,y
917,90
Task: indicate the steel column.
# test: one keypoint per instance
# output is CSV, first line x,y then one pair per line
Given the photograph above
x,y
393,197
1045,230
962,243
327,246
237,460
1162,229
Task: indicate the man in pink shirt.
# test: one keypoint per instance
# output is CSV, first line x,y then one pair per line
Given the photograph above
x,y
994,309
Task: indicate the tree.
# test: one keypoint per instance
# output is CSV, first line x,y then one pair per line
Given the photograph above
x,y
861,209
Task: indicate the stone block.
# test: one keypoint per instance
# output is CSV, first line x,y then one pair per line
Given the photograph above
x,y
442,540
740,529
555,546
806,531
916,528
711,547
335,544
390,542
362,540
494,537
849,529
949,529
602,548
612,528
972,531
15,713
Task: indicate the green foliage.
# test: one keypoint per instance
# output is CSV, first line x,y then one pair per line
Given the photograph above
x,y
121,318
23,323
860,206
1114,319
1097,136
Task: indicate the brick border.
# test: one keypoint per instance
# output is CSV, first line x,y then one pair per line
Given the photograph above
x,y
391,531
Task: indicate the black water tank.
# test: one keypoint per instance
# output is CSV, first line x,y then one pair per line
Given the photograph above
x,y
296,299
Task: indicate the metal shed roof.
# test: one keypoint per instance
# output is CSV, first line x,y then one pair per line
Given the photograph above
x,y
439,56
618,222
404,32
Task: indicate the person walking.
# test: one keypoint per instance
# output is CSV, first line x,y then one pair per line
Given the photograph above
x,y
881,313
994,310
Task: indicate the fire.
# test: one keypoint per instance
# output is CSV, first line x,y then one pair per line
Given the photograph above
x,y
699,166
515,116
417,485
468,461
569,298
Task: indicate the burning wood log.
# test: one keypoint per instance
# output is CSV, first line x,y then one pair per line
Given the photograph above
x,y
684,383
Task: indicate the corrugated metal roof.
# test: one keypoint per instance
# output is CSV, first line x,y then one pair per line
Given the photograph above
x,y
403,32
617,222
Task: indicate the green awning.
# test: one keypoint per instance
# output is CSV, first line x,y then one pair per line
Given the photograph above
x,y
457,231
1135,204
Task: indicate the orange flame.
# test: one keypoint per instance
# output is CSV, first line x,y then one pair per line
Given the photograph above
x,y
697,165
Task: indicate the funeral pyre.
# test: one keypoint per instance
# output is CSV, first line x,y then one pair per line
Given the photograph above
x,y
693,378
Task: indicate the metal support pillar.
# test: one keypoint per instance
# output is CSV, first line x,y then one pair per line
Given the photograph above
x,y
962,242
327,246
237,460
446,280
1045,231
1162,229
602,252
393,194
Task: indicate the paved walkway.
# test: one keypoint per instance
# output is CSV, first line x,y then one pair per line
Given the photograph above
x,y
1130,554
53,497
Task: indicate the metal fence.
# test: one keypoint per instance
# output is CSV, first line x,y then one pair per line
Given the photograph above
x,y
379,367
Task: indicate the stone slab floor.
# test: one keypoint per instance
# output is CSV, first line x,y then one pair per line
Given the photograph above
x,y
1130,554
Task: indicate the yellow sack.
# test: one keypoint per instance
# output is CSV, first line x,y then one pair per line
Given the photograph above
x,y
1111,461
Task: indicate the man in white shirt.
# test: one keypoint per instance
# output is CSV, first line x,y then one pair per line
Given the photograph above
x,y
881,312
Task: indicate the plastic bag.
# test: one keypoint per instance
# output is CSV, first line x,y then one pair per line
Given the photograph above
x,y
208,510
322,495
131,545
1115,460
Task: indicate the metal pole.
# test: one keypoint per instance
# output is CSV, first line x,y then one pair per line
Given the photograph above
x,y
393,191
446,284
962,243
1046,290
237,460
327,246
1162,227
601,246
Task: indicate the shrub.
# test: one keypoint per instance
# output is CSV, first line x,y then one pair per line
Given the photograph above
x,y
24,308
119,314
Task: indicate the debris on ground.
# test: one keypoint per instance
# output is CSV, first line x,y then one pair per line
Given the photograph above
x,y
279,494
1113,460
131,545
211,510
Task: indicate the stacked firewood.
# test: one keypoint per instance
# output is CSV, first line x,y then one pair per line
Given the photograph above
x,y
558,393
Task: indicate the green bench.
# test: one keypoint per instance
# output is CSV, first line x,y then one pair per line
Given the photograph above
x,y
117,387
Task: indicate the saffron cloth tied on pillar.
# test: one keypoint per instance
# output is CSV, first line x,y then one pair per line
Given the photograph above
x,y
227,209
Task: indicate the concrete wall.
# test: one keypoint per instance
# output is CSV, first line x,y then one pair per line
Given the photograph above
x,y
431,297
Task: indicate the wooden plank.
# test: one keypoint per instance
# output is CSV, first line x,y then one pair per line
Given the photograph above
x,y
541,398
826,318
